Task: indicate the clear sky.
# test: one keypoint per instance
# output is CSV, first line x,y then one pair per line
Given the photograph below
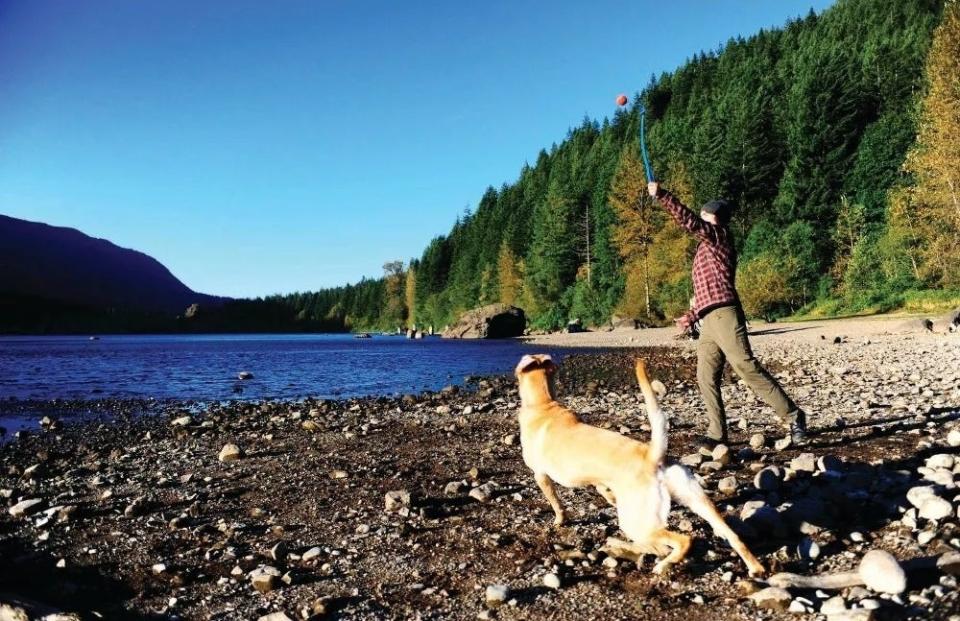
x,y
272,146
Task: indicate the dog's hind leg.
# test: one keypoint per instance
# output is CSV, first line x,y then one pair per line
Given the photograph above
x,y
607,494
678,543
546,486
684,488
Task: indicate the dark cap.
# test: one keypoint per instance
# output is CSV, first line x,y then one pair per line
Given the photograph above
x,y
723,209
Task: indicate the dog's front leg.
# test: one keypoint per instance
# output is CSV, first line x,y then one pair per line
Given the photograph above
x,y
546,486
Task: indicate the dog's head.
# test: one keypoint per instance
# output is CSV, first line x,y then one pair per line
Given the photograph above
x,y
532,362
535,372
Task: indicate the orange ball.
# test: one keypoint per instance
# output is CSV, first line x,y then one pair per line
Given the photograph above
x,y
621,100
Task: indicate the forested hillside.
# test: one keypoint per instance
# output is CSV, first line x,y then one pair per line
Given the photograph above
x,y
807,128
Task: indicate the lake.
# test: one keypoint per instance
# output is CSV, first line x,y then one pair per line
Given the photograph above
x,y
205,367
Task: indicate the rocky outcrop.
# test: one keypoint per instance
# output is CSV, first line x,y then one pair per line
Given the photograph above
x,y
495,321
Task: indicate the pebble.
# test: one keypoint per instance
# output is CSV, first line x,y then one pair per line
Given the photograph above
x,y
230,452
772,598
833,605
275,616
805,462
483,493
727,485
311,554
783,443
758,441
935,508
768,479
721,453
264,578
941,460
857,614
551,581
496,594
953,438
916,496
396,499
455,488
829,463
808,549
25,507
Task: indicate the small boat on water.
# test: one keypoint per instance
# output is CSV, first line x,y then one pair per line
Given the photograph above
x,y
94,338
362,335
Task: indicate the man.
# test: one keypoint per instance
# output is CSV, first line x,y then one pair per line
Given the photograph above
x,y
723,330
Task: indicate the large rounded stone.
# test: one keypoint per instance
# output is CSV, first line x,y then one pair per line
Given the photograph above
x,y
881,572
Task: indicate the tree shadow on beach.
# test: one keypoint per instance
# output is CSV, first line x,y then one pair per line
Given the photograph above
x,y
35,578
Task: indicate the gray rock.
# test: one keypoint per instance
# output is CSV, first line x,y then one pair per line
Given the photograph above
x,y
692,460
856,614
949,563
829,463
275,616
882,573
483,493
496,594
396,499
311,554
721,454
833,605
727,485
805,462
917,495
551,581
768,479
455,488
808,549
953,438
25,507
772,598
783,443
941,460
935,508
264,578
494,321
230,452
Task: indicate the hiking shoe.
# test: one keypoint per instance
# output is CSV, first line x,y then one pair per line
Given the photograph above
x,y
798,429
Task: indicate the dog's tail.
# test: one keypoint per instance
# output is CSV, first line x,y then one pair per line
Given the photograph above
x,y
658,422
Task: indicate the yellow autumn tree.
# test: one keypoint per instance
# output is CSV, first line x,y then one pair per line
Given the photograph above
x,y
410,296
671,249
509,275
634,230
929,210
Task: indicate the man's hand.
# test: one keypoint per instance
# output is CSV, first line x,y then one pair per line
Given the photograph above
x,y
653,188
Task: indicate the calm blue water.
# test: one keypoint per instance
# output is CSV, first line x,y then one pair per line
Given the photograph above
x,y
205,367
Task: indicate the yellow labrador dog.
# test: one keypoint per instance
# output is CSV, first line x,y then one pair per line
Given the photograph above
x,y
631,475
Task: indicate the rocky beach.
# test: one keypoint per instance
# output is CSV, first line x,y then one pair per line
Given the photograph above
x,y
420,507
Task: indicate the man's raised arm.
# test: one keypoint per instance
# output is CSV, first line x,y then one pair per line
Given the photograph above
x,y
688,221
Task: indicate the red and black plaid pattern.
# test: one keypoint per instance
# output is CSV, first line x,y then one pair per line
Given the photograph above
x,y
715,263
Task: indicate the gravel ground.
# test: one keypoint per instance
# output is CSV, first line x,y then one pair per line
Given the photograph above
x,y
138,517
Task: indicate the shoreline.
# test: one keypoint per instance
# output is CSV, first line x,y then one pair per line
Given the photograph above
x,y
148,522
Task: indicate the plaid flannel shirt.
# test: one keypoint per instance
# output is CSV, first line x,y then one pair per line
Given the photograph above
x,y
714,264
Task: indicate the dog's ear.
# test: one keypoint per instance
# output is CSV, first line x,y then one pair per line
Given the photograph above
x,y
535,361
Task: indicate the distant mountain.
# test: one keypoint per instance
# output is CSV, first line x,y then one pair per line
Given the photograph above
x,y
65,266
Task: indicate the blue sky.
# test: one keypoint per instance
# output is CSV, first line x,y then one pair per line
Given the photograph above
x,y
269,147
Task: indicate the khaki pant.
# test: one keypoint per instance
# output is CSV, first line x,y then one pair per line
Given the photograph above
x,y
723,337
